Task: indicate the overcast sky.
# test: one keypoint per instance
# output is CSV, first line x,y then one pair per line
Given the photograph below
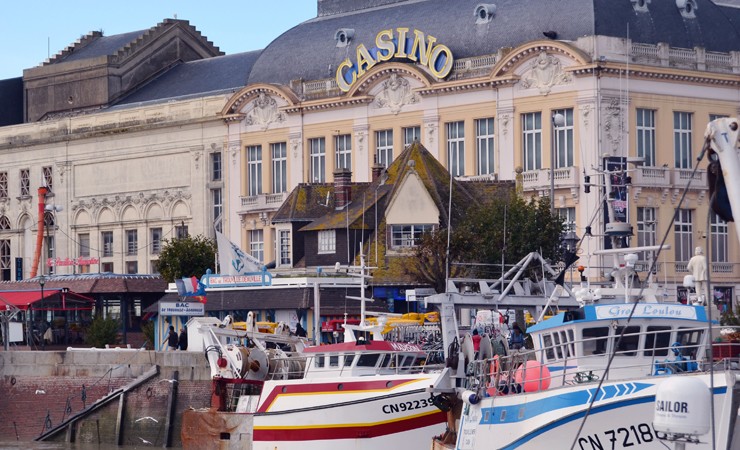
x,y
35,29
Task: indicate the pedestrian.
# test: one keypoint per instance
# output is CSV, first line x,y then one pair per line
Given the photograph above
x,y
299,331
516,340
171,339
182,341
476,340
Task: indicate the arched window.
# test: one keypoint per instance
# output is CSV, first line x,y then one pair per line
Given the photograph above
x,y
4,223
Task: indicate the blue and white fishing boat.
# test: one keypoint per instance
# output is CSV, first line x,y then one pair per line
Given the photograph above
x,y
590,381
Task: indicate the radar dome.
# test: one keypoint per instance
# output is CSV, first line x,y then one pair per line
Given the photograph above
x,y
682,406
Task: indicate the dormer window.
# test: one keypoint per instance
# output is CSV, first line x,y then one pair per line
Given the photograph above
x,y
408,236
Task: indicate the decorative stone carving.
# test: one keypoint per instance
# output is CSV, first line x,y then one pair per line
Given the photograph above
x,y
360,136
431,131
264,112
613,124
586,114
196,158
544,73
503,121
396,94
234,152
295,144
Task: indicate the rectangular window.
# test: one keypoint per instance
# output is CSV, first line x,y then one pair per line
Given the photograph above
x,y
568,216
384,147
646,228
25,183
684,234
107,238
317,152
279,155
456,148
564,139
717,116
646,135
132,242
532,140
484,140
217,200
343,151
49,243
181,232
47,178
682,139
154,264
3,184
411,134
107,267
285,259
407,236
594,340
5,260
156,234
254,170
216,169
132,267
657,341
327,241
84,242
257,244
719,239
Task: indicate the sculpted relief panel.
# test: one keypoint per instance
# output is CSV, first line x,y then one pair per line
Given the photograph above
x,y
544,72
264,112
395,94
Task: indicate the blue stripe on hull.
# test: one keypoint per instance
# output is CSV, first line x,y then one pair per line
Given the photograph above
x,y
567,419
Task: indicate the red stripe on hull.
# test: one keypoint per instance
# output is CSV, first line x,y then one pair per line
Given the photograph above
x,y
356,432
312,388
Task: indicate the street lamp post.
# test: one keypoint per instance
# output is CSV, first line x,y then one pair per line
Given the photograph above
x,y
558,120
42,282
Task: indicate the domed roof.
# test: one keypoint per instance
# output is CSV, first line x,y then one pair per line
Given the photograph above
x,y
309,51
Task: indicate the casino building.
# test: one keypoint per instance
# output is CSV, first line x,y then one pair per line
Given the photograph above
x,y
152,133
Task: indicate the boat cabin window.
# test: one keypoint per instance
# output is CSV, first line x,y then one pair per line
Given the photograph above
x,y
657,341
368,360
547,344
334,361
385,360
689,340
630,341
348,360
564,343
594,340
318,361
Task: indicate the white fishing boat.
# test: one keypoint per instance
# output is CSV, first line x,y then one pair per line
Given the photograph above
x,y
363,393
592,377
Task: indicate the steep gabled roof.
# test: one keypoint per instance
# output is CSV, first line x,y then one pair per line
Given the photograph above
x,y
432,174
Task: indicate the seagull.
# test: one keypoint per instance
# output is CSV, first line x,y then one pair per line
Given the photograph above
x,y
147,418
144,441
40,391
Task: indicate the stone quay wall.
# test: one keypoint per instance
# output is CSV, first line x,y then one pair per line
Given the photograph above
x,y
39,390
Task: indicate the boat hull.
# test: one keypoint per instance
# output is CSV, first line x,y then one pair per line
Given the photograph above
x,y
621,418
357,413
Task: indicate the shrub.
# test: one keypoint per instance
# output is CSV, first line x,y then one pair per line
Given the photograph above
x,y
102,331
148,329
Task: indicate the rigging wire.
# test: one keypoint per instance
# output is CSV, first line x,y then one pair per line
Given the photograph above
x,y
634,305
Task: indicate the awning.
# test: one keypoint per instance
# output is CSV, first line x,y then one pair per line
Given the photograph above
x,y
52,300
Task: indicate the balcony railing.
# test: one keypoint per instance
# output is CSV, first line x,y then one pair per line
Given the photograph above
x,y
721,272
565,177
681,178
262,202
652,177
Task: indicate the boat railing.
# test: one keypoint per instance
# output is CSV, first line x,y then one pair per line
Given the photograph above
x,y
297,365
563,363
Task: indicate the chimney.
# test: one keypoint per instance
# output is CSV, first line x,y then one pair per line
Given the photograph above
x,y
377,169
342,187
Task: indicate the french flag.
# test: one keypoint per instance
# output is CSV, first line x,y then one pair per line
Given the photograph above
x,y
191,287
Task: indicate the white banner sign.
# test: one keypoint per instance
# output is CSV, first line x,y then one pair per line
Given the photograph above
x,y
182,309
622,311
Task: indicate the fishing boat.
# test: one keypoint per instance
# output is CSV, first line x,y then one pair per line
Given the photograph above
x,y
363,393
591,378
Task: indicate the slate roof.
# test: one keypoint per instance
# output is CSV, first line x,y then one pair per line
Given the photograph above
x,y
100,46
212,75
312,52
306,202
333,300
94,283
